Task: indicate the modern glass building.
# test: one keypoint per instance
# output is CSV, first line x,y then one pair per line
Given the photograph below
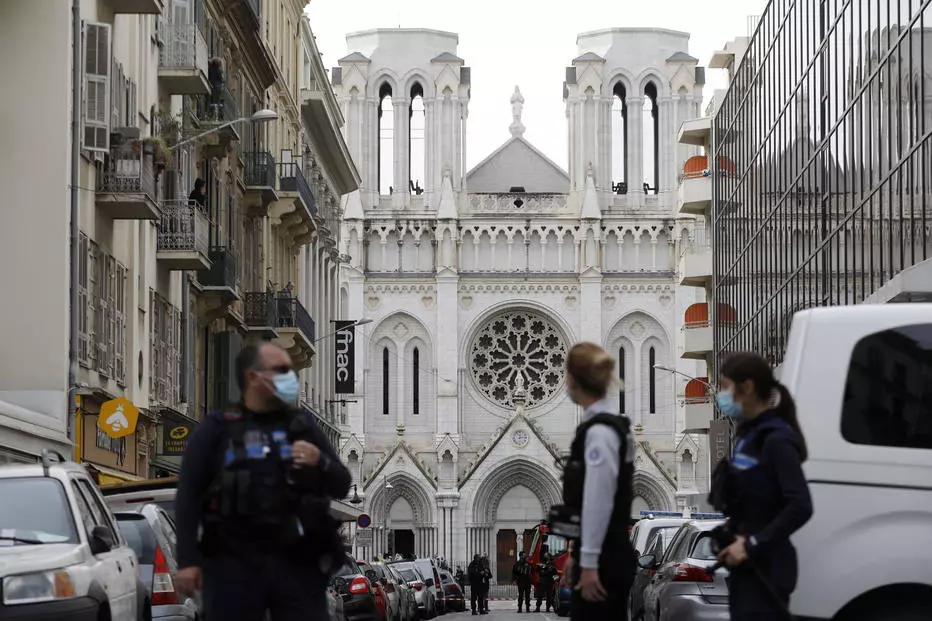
x,y
823,187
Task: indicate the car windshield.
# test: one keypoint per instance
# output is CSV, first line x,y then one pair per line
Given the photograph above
x,y
348,570
138,534
34,511
409,575
702,549
556,545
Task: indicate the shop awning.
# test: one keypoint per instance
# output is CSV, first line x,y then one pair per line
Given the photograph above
x,y
111,476
343,511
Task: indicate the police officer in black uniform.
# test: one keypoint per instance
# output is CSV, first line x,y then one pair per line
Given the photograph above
x,y
761,489
521,575
258,479
597,483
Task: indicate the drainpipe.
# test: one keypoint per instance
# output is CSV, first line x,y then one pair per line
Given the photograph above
x,y
75,242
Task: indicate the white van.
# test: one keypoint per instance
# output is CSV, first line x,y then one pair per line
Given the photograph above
x,y
862,379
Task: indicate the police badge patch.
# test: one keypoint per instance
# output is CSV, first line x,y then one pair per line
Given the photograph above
x,y
594,456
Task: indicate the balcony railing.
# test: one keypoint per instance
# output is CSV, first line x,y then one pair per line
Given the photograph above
x,y
260,169
218,107
183,47
291,179
278,310
127,170
184,228
222,272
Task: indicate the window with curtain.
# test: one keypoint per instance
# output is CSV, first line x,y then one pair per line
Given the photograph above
x,y
416,380
652,360
385,380
621,380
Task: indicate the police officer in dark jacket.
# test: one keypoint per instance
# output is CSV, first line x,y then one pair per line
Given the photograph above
x,y
521,575
761,489
477,585
597,487
258,479
546,579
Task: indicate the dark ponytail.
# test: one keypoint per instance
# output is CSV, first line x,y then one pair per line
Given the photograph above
x,y
744,366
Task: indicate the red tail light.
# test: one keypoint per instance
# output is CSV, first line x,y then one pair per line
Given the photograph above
x,y
690,573
417,585
359,585
163,589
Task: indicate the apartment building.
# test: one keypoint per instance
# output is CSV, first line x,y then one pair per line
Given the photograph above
x,y
202,204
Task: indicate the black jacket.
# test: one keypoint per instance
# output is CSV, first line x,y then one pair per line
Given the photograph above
x,y
204,458
769,495
521,572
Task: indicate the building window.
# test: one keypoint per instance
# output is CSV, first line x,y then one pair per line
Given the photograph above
x,y
83,310
621,380
165,351
619,141
652,360
416,380
651,142
117,446
417,116
102,337
386,140
385,380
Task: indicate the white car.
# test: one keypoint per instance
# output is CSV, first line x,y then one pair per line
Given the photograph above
x,y
862,380
61,553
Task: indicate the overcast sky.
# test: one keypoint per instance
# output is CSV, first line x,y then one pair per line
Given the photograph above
x,y
529,43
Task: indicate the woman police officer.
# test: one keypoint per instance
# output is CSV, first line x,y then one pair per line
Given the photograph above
x,y
761,489
597,487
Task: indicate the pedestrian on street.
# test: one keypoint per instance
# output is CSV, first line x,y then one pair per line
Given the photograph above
x,y
546,580
597,484
486,580
461,578
761,489
258,479
475,571
521,575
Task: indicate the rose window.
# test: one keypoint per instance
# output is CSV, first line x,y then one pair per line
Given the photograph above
x,y
518,344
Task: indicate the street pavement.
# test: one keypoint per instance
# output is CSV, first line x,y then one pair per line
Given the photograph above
x,y
506,611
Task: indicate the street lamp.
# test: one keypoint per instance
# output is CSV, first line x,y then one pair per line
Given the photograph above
x,y
261,116
706,384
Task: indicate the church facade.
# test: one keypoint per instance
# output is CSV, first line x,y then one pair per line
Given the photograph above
x,y
477,282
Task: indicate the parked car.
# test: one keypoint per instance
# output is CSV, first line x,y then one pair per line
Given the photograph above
x,y
62,555
647,526
656,545
159,492
359,596
431,572
151,534
682,589
861,377
453,597
407,592
426,600
395,607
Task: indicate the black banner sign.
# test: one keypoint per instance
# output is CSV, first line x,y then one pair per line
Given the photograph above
x,y
175,436
719,440
345,357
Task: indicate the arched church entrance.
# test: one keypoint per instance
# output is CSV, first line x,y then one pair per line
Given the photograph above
x,y
400,528
509,503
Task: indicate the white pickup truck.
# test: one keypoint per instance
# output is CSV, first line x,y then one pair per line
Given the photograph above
x,y
862,379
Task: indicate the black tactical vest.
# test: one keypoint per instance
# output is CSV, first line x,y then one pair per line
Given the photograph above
x,y
616,548
251,488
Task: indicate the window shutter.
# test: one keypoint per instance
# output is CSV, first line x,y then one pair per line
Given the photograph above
x,y
97,70
82,309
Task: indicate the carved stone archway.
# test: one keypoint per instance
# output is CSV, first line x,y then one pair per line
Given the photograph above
x,y
403,486
651,491
512,473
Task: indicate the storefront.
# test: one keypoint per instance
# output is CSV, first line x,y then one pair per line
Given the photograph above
x,y
174,432
113,459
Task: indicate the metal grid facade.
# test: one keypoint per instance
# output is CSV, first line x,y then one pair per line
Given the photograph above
x,y
824,151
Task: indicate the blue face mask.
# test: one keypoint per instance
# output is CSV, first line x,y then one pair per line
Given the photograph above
x,y
287,388
726,403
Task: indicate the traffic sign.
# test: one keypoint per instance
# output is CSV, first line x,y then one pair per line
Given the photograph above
x,y
364,521
118,418
364,538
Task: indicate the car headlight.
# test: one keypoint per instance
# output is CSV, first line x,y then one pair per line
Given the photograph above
x,y
38,587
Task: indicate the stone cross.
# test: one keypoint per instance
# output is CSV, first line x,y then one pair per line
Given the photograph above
x,y
517,107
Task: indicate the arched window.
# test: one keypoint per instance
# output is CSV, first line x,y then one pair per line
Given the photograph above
x,y
619,141
651,142
416,381
651,361
416,152
621,380
385,380
386,140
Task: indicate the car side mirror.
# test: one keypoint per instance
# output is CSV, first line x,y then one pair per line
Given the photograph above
x,y
648,561
100,540
371,575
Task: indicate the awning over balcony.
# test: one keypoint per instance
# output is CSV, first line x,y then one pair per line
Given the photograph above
x,y
697,390
697,315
